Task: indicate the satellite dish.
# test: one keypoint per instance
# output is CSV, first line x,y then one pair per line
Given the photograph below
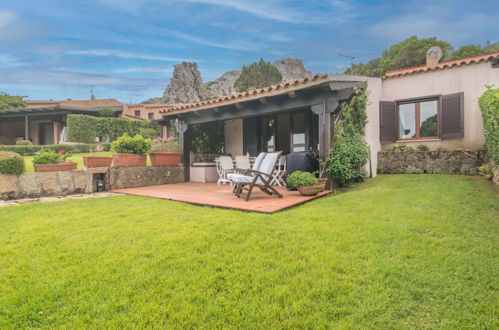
x,y
435,52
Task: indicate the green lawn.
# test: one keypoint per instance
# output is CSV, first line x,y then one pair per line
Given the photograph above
x,y
28,160
399,251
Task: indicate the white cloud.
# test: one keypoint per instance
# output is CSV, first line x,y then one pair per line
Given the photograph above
x,y
121,54
9,61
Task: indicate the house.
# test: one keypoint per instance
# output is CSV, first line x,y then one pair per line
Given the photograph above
x,y
146,111
44,122
434,104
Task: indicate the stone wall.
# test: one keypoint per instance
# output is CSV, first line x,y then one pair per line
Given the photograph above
x,y
34,185
139,176
433,162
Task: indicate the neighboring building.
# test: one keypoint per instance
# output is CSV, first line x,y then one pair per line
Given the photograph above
x,y
435,104
44,122
146,111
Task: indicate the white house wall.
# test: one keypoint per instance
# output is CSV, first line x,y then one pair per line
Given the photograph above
x,y
470,79
233,130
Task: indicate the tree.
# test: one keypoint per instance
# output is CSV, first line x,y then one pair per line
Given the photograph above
x,y
257,75
106,112
9,102
412,52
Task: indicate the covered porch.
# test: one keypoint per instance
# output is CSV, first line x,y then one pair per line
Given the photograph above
x,y
291,117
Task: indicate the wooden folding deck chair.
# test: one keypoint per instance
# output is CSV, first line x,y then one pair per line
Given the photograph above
x,y
261,177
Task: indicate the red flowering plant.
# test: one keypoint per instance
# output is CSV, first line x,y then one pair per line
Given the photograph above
x,y
169,144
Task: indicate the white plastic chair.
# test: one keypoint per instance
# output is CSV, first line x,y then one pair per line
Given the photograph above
x,y
280,172
242,162
225,166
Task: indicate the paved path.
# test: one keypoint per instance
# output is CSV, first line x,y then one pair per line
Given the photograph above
x,y
56,198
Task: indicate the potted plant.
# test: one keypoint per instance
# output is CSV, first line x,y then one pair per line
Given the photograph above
x,y
166,152
131,151
97,161
306,183
51,161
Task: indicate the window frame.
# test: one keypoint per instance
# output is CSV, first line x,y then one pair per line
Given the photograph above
x,y
135,113
150,115
417,102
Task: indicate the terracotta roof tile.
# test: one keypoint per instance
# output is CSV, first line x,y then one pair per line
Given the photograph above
x,y
251,94
442,65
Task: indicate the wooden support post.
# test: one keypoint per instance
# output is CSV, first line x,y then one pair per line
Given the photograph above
x,y
324,134
187,153
26,128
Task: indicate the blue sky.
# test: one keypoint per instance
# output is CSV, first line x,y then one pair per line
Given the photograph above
x,y
126,49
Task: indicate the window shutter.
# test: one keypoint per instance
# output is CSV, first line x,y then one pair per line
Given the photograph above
x,y
452,119
388,121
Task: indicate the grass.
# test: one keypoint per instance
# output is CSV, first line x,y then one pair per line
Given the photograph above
x,y
399,251
78,158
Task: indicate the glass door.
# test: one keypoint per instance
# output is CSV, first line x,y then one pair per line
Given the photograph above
x,y
298,132
47,133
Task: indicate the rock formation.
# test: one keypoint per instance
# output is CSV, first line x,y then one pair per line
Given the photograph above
x,y
186,84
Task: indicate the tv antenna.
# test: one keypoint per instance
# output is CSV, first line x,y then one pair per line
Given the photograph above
x,y
351,61
92,96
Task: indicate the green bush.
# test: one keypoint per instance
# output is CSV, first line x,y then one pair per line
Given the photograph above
x,y
489,105
348,155
349,152
106,112
208,138
82,128
132,145
29,150
11,163
24,143
402,148
170,144
257,75
48,156
299,179
422,147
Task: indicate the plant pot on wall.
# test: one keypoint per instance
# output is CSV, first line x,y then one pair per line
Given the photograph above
x,y
165,158
97,161
122,160
54,167
310,190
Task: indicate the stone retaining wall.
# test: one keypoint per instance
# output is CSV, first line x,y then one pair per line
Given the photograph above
x,y
434,162
34,185
139,176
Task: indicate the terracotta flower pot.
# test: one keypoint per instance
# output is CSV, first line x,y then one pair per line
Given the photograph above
x,y
122,160
310,190
54,167
97,161
165,158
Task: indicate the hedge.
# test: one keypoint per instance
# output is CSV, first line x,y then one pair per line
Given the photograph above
x,y
28,150
84,129
11,163
489,105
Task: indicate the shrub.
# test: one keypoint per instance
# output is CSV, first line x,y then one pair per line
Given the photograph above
x,y
485,170
24,143
423,147
348,155
48,156
170,144
132,145
299,179
81,128
28,150
106,112
402,148
489,105
257,75
349,152
11,163
440,149
208,138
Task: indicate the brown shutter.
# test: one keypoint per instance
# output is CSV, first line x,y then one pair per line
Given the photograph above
x,y
452,116
387,121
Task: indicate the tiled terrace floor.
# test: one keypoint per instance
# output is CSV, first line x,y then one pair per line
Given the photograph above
x,y
221,196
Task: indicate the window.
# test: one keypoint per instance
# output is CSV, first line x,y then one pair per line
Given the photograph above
x,y
418,120
137,113
150,115
298,132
